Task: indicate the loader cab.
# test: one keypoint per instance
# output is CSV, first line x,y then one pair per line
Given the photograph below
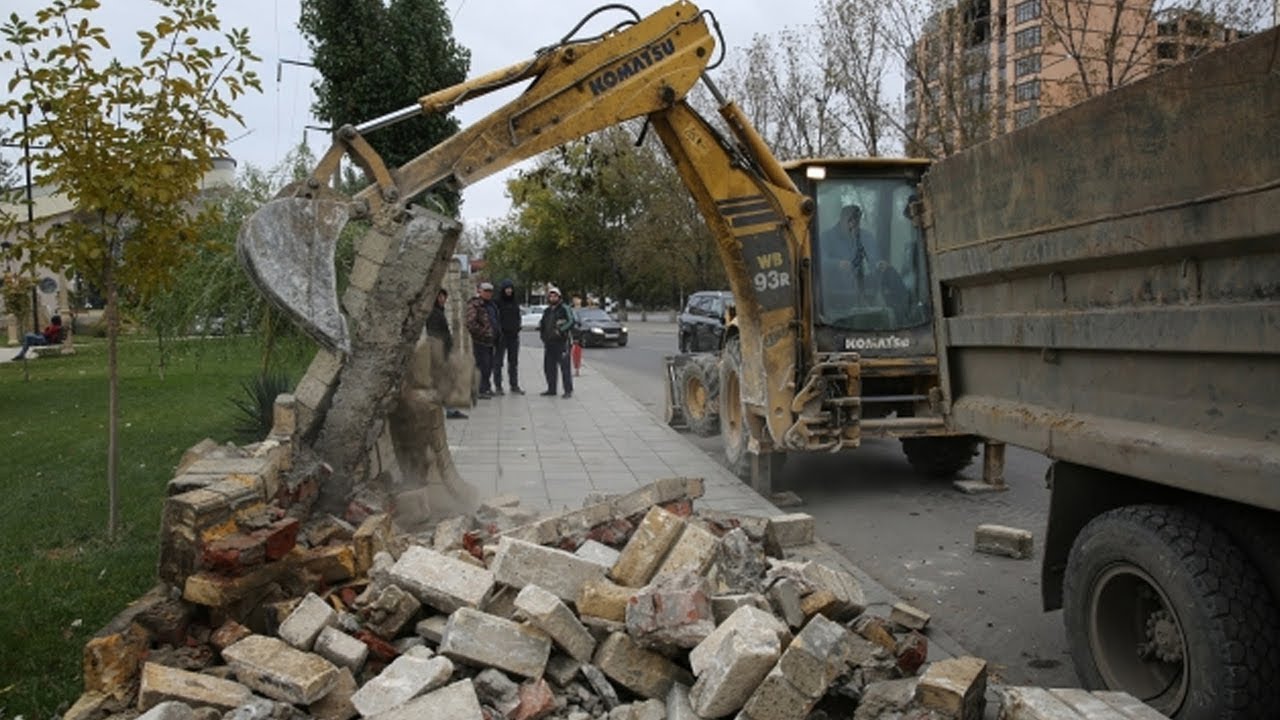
x,y
869,275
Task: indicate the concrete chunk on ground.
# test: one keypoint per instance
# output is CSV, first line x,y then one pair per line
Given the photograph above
x,y
694,551
1033,703
545,611
722,606
816,657
386,610
518,563
908,616
456,702
336,704
739,564
847,600
641,671
678,705
734,671
302,627
601,686
1088,706
440,581
407,677
341,649
672,612
1132,707
647,548
784,596
885,698
790,530
1003,540
169,710
603,599
279,671
432,628
744,617
955,686
496,690
562,669
536,701
483,640
164,684
598,553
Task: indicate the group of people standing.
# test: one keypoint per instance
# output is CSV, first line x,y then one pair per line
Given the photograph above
x,y
494,326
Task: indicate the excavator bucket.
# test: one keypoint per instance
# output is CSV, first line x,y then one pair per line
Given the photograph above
x,y
287,247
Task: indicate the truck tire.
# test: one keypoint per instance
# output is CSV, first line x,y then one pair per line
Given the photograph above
x,y
940,456
1160,603
699,397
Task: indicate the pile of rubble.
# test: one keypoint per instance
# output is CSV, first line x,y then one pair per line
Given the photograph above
x,y
634,607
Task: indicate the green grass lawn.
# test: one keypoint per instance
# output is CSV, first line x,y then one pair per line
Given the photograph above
x,y
60,580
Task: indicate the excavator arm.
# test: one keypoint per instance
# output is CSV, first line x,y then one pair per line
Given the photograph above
x,y
644,68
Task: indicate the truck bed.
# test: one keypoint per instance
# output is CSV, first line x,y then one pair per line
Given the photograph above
x,y
1107,280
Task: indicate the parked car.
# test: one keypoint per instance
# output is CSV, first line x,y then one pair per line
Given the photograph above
x,y
531,317
700,327
597,327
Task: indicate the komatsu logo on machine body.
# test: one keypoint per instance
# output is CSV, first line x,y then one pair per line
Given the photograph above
x,y
632,65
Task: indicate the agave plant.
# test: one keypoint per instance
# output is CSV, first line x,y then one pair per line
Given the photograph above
x,y
257,403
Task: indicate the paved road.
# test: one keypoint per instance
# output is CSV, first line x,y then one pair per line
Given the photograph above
x,y
910,532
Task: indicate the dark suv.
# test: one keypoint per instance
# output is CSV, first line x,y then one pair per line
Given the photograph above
x,y
701,325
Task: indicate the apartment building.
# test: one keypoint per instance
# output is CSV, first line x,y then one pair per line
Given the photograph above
x,y
986,67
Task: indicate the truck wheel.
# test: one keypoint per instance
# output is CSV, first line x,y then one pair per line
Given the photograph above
x,y
940,456
733,421
699,381
1161,604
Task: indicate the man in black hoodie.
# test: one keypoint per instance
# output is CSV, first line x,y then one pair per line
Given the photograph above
x,y
509,317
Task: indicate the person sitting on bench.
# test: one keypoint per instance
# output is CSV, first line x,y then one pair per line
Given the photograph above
x,y
53,334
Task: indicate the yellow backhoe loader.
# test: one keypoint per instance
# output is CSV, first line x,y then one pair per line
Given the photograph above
x,y
832,337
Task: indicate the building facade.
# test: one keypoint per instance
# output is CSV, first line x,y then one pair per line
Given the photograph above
x,y
985,67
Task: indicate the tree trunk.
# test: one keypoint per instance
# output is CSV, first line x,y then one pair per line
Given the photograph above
x,y
113,404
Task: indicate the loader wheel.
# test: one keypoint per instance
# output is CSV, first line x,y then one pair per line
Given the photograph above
x,y
1160,603
733,421
699,397
940,456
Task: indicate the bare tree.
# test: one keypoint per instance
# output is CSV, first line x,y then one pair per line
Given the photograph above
x,y
1114,42
856,59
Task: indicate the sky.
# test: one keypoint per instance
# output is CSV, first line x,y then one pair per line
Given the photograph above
x,y
497,32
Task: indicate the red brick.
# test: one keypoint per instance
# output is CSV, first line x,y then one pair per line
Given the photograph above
x,y
229,634
536,701
234,553
378,648
912,652
614,533
280,537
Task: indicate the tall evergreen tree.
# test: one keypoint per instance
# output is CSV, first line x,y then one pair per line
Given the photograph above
x,y
375,57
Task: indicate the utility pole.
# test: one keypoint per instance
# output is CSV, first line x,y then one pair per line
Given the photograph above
x,y
31,218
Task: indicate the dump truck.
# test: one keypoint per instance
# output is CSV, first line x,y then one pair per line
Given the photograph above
x,y
1106,288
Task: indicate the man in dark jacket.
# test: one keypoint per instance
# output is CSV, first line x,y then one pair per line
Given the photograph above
x,y
482,324
509,316
438,327
555,328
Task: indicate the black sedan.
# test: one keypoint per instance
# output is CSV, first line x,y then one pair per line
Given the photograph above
x,y
597,327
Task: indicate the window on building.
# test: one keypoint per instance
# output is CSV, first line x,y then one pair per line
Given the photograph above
x,y
1167,51
1028,38
1167,28
1029,90
1028,65
1026,11
1025,116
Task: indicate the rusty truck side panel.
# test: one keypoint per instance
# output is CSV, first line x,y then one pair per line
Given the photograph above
x,y
1107,280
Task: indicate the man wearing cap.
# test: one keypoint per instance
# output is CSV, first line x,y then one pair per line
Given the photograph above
x,y
554,329
482,324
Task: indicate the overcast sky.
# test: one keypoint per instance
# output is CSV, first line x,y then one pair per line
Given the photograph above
x,y
497,32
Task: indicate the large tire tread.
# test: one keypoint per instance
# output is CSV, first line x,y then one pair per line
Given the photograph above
x,y
702,368
1231,607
